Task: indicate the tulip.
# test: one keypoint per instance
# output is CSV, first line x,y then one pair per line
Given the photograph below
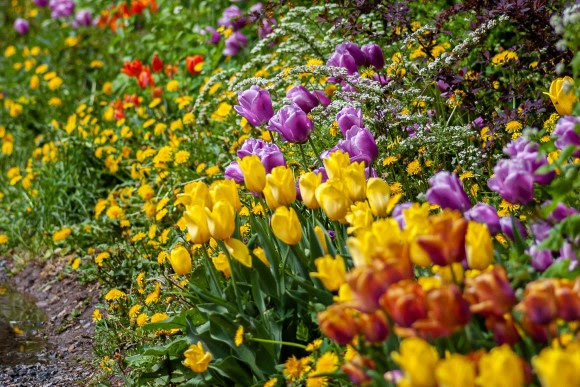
x,y
84,18
308,184
321,236
286,225
194,64
541,259
406,303
197,224
330,271
41,3
356,368
221,220
478,246
448,307
558,367
225,190
418,360
196,192
354,50
180,260
304,99
332,199
215,36
355,181
21,26
282,185
374,55
338,324
270,154
270,200
490,293
234,43
455,371
255,105
484,214
562,95
566,133
254,173
506,223
513,181
360,145
539,303
335,163
378,195
61,8
568,300
500,367
503,328
234,172
232,18
397,213
343,59
447,191
239,251
156,63
561,212
321,97
359,217
292,124
196,358
445,244
349,117
374,326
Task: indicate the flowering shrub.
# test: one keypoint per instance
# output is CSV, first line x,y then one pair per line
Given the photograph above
x,y
287,195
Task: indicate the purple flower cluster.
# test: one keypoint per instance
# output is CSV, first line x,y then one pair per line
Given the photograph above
x,y
542,259
270,155
566,133
515,177
61,8
234,19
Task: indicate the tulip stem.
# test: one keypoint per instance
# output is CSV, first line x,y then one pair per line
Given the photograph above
x,y
304,157
287,343
314,148
227,253
302,261
211,269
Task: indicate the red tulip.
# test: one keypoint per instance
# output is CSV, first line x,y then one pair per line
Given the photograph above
x,y
194,64
156,63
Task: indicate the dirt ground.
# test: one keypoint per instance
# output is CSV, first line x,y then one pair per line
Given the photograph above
x,y
68,329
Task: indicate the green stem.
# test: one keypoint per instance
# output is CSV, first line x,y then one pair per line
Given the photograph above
x,y
304,160
227,253
287,343
314,148
302,261
211,269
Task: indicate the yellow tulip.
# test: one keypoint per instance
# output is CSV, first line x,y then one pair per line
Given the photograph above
x,y
222,264
558,367
332,199
562,95
455,371
336,163
282,185
221,220
355,181
261,254
500,367
359,217
196,358
196,192
286,225
330,271
180,260
308,184
321,236
225,190
270,200
478,246
196,222
239,251
379,197
254,173
417,360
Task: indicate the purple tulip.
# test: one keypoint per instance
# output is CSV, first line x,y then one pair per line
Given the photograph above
x,y
21,26
526,153
507,227
541,259
41,3
349,117
322,171
292,124
567,252
541,230
478,123
343,59
360,145
512,181
381,79
303,98
520,146
266,27
232,18
84,18
447,191
374,55
61,8
442,85
485,214
397,213
561,212
215,36
566,133
234,172
354,51
270,155
234,43
255,105
321,97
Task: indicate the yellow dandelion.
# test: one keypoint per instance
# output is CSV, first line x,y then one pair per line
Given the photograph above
x,y
239,337
414,167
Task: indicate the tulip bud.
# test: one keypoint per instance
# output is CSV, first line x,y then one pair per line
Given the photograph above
x,y
303,98
282,185
180,260
568,300
156,64
330,271
490,293
221,220
478,246
292,123
562,95
374,55
447,191
378,195
406,303
21,26
337,322
332,199
356,370
349,117
255,105
355,181
308,184
321,236
194,64
225,190
196,222
254,173
336,163
286,225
